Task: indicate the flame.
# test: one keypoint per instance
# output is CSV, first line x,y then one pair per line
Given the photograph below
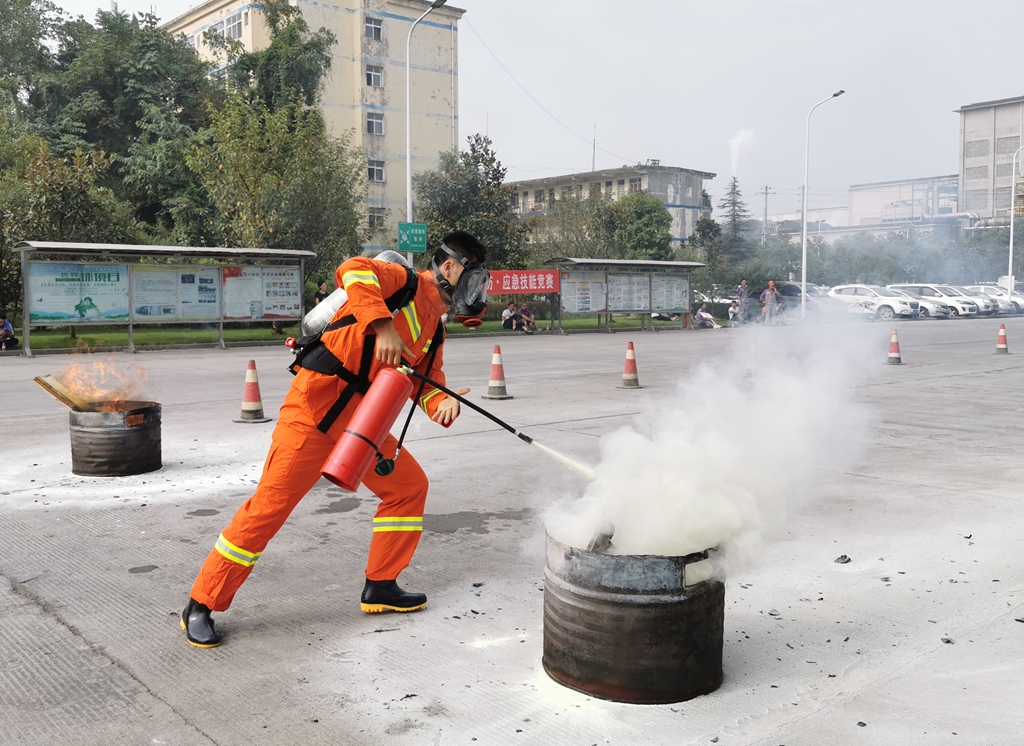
x,y
101,382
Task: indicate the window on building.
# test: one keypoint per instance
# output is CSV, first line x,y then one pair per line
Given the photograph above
x,y
1007,145
566,190
374,28
245,16
551,195
219,78
976,149
1001,201
375,218
578,188
216,29
975,172
376,170
635,185
375,76
976,199
1004,169
620,187
538,198
526,200
374,123
608,187
233,26
515,201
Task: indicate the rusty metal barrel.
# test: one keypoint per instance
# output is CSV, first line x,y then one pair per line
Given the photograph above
x,y
629,627
123,439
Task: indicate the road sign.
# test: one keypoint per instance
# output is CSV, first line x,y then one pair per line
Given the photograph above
x,y
412,237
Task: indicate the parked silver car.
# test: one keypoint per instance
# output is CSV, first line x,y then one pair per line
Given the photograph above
x,y
959,304
875,300
1004,304
928,307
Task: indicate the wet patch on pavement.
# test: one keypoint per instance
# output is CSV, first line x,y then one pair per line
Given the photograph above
x,y
449,523
203,512
142,568
344,505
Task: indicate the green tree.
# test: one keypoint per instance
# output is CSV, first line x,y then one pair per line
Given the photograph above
x,y
293,64
572,227
734,218
276,180
106,78
25,28
637,227
467,192
706,244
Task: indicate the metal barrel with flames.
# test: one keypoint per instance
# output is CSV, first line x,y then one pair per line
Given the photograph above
x,y
113,434
632,628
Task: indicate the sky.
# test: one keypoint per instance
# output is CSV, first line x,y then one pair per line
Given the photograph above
x,y
677,81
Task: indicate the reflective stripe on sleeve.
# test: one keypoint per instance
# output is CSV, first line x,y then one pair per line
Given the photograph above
x,y
398,523
353,277
235,554
426,345
427,397
409,312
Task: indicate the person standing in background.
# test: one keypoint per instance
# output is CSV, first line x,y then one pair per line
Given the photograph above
x,y
321,292
742,296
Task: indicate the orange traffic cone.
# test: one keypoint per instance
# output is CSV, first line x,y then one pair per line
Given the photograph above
x,y
630,379
1001,347
252,402
496,386
894,350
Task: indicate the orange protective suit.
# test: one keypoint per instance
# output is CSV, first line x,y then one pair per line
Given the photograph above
x,y
299,449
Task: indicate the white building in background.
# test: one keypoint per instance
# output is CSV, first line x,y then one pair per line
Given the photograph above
x,y
990,133
681,190
365,88
904,201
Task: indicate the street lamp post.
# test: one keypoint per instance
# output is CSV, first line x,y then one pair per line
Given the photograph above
x,y
1013,193
803,231
408,111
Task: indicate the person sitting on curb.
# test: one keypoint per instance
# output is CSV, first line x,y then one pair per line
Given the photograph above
x,y
734,314
7,339
512,321
527,316
704,318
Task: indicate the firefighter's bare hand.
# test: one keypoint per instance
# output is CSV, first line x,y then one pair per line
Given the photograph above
x,y
448,409
390,346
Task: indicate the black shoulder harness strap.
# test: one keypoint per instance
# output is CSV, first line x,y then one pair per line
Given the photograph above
x,y
312,354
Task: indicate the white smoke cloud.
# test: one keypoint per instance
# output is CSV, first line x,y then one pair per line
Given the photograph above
x,y
738,141
745,440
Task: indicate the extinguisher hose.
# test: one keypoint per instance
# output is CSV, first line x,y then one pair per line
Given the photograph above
x,y
522,436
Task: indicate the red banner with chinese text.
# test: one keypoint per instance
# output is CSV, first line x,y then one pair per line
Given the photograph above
x,y
517,282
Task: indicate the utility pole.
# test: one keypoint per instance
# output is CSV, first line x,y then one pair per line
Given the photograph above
x,y
593,151
764,224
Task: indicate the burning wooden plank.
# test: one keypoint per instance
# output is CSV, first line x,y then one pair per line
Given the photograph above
x,y
63,394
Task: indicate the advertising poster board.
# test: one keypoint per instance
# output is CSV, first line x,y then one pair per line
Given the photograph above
x,y
77,293
670,292
282,292
164,293
253,293
629,292
584,292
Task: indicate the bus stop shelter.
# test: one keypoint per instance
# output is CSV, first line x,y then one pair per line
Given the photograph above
x,y
73,284
608,286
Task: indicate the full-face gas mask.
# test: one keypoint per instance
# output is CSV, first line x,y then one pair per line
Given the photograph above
x,y
469,294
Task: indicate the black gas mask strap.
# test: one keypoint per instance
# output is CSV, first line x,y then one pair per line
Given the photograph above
x,y
386,466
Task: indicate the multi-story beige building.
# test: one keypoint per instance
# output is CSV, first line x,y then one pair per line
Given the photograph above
x,y
990,133
365,90
680,189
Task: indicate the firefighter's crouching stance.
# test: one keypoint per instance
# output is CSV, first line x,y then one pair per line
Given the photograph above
x,y
391,313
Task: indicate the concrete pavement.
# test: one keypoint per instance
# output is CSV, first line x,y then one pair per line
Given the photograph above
x,y
95,571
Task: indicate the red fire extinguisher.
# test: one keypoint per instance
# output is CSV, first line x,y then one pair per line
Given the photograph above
x,y
360,443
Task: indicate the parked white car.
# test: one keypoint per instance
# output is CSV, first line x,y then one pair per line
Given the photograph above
x,y
986,306
959,304
876,301
1005,305
928,307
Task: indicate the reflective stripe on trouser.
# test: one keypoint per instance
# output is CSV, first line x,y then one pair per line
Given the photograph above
x,y
288,474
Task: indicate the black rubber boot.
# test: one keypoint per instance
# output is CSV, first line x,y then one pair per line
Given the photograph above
x,y
385,595
198,625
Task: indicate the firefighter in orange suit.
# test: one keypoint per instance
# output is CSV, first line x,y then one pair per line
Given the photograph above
x,y
365,336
